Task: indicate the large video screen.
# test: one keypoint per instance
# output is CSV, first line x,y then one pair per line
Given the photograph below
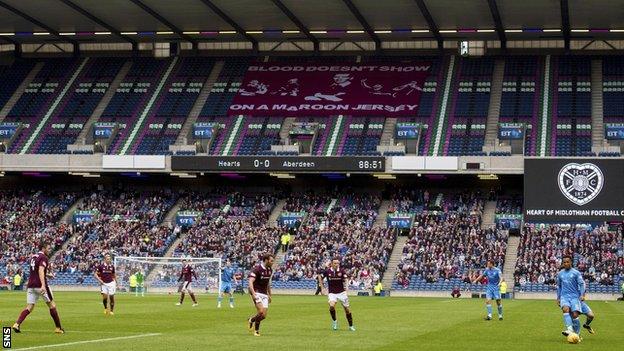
x,y
573,190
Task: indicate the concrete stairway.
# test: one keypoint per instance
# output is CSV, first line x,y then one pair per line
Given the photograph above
x,y
380,221
277,210
496,91
489,215
170,216
286,125
395,258
387,134
511,256
597,112
19,91
108,96
67,219
199,103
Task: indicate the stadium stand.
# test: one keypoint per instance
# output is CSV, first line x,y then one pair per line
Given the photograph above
x,y
40,98
26,217
571,106
77,106
233,226
598,254
342,227
521,99
465,133
171,108
128,222
132,97
446,245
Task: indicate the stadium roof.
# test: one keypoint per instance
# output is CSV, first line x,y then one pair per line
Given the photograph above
x,y
24,21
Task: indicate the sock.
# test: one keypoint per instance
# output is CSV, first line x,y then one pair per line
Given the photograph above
x,y
489,309
105,303
193,297
219,299
112,303
182,298
332,313
588,321
55,316
576,325
350,319
22,316
257,319
500,310
567,320
232,300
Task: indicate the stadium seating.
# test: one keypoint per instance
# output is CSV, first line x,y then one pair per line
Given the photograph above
x,y
571,106
597,254
521,98
465,132
39,97
11,77
613,89
77,106
131,98
162,126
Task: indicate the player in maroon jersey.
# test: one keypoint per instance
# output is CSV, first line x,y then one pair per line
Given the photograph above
x,y
105,274
186,277
337,285
38,288
260,291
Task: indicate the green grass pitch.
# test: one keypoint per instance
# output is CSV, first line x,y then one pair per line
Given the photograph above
x,y
303,323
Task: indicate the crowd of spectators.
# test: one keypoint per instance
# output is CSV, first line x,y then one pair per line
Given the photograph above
x,y
233,226
446,241
126,222
28,217
598,254
509,205
447,246
345,231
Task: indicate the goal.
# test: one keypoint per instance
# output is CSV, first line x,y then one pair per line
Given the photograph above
x,y
162,273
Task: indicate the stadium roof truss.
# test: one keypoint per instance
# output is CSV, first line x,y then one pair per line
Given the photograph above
x,y
278,21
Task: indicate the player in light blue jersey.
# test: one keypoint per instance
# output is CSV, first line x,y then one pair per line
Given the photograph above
x,y
227,278
492,290
570,292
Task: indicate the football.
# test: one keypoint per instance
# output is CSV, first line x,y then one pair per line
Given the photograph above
x,y
574,338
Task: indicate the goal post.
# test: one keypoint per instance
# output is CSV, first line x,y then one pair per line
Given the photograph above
x,y
161,273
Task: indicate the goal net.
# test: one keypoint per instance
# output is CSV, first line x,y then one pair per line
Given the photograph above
x,y
161,273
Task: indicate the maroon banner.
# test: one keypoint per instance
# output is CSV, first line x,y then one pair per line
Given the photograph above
x,y
275,89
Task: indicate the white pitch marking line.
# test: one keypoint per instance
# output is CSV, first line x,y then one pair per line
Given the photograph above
x,y
89,341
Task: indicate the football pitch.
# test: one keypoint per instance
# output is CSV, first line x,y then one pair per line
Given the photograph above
x,y
303,323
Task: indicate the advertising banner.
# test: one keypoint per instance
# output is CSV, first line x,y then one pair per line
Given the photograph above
x,y
275,89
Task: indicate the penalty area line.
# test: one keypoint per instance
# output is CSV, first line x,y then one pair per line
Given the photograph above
x,y
89,341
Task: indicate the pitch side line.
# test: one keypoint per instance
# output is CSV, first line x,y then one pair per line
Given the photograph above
x,y
90,341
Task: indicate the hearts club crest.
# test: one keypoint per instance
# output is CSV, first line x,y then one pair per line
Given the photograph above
x,y
580,183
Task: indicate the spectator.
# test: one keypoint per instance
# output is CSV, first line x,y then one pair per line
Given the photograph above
x,y
378,288
503,288
17,280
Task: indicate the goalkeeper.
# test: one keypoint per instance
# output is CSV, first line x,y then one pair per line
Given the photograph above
x,y
139,283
